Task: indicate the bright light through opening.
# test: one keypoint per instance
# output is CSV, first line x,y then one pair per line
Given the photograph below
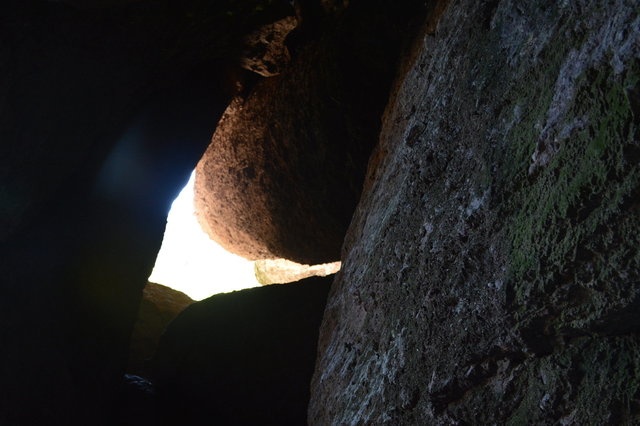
x,y
189,261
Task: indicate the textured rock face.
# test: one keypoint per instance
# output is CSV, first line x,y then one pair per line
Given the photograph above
x,y
158,307
279,271
285,167
242,358
491,273
265,52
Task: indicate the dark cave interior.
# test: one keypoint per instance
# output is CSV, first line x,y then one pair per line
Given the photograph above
x,y
474,165
109,106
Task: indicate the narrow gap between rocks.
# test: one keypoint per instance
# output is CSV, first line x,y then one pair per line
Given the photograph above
x,y
191,267
190,262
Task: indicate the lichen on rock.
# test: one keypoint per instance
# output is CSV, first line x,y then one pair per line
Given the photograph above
x,y
497,282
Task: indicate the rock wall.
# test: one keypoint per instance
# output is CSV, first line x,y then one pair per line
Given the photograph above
x,y
491,273
242,358
158,307
104,112
105,108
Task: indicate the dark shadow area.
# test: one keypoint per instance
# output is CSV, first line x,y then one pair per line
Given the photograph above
x,y
103,114
242,358
105,109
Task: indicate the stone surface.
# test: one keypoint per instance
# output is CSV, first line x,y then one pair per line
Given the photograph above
x,y
280,271
264,50
491,274
242,358
284,169
491,270
158,307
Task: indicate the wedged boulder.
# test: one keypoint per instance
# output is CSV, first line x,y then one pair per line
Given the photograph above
x,y
158,307
280,271
242,358
491,273
285,167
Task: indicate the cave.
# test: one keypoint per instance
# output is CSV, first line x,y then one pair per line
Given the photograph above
x,y
473,165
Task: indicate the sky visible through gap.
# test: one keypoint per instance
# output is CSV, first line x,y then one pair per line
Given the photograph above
x,y
189,261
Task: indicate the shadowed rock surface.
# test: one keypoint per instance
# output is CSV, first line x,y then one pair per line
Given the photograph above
x,y
491,274
104,112
284,170
158,307
242,358
264,50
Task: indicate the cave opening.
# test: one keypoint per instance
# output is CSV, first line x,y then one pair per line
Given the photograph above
x,y
195,267
190,262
